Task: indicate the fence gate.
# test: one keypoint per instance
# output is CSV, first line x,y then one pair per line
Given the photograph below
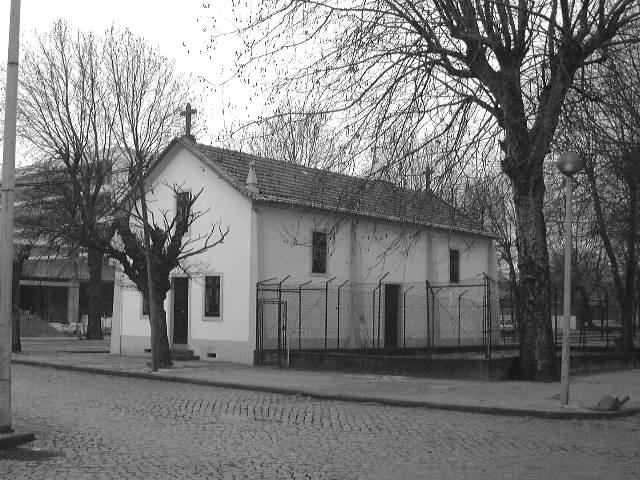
x,y
272,315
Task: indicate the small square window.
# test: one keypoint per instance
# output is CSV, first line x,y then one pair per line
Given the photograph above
x,y
183,202
319,252
454,266
212,296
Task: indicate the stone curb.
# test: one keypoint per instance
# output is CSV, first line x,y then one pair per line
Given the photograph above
x,y
11,440
520,412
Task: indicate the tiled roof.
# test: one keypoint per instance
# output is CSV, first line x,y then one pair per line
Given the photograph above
x,y
295,185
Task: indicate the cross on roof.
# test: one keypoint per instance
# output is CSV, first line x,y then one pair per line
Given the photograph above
x,y
187,114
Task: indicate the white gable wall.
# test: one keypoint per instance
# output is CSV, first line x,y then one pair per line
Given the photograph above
x,y
230,259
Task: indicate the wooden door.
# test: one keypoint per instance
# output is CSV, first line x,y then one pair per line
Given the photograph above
x,y
391,307
180,310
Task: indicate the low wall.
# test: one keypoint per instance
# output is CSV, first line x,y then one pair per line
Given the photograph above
x,y
460,365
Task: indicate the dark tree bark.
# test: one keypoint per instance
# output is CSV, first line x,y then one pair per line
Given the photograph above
x,y
19,257
160,353
537,349
95,260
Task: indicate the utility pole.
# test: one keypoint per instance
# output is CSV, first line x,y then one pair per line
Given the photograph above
x,y
6,218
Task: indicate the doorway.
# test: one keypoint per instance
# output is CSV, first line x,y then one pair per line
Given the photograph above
x,y
180,310
391,307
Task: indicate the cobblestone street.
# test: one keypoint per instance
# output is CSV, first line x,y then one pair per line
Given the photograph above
x,y
96,426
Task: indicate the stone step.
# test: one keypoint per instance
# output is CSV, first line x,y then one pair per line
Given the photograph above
x,y
180,355
183,355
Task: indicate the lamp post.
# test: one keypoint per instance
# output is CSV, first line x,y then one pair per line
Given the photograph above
x,y
569,164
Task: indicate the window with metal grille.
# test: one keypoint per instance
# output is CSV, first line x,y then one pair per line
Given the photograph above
x,y
319,252
212,296
454,266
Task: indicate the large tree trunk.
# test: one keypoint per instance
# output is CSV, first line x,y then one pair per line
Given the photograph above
x,y
160,357
537,350
94,322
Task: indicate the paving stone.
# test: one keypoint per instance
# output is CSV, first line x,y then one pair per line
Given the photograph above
x,y
97,426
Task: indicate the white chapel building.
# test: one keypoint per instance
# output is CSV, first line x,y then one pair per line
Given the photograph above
x,y
294,226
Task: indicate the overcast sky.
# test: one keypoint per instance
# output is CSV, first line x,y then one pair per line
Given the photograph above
x,y
176,27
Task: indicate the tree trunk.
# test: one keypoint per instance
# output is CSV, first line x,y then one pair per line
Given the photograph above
x,y
19,258
159,339
94,322
538,359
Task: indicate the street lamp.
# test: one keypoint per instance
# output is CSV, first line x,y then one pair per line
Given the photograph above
x,y
569,163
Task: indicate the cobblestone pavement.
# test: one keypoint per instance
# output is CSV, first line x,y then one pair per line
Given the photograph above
x,y
96,426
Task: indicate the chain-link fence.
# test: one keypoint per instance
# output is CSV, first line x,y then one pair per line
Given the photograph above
x,y
595,320
344,316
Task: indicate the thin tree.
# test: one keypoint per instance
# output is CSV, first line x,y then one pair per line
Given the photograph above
x,y
604,128
165,247
495,71
148,96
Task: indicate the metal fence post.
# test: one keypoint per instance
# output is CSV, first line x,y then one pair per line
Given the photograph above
x,y
484,313
280,345
380,304
379,308
259,333
326,309
606,306
489,319
555,314
430,313
373,318
338,312
601,317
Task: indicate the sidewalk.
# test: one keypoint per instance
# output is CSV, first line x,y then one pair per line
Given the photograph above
x,y
504,398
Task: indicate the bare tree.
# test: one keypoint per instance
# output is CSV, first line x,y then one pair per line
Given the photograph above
x,y
488,71
294,135
65,115
604,128
489,199
165,248
148,96
101,110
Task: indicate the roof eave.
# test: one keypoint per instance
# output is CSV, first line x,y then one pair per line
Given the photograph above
x,y
388,218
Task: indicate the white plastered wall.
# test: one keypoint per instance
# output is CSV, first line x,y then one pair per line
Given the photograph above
x,y
362,251
228,337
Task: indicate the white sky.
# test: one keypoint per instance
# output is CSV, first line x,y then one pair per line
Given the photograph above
x,y
176,27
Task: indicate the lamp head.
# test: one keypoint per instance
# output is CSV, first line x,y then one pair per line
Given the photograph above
x,y
570,163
